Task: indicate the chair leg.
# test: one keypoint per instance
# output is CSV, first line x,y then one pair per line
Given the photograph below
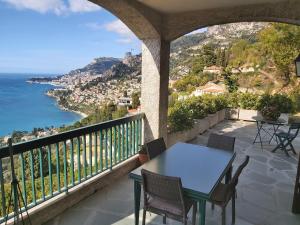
x,y
194,214
223,215
164,219
144,217
292,148
185,221
233,208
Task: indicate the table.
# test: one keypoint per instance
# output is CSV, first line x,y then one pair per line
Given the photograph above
x,y
260,122
200,169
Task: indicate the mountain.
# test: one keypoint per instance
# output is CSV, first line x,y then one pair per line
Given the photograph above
x,y
222,35
97,66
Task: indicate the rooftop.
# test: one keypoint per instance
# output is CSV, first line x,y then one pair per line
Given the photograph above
x,y
265,189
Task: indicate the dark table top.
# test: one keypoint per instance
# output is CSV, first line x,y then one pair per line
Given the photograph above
x,y
200,168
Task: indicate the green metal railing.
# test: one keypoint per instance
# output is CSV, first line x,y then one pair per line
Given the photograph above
x,y
48,166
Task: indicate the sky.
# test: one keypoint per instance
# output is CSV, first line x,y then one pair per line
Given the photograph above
x,y
56,36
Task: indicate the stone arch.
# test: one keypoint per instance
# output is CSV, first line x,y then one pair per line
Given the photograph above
x,y
142,21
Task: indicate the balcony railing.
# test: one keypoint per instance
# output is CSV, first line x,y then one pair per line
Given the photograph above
x,y
48,166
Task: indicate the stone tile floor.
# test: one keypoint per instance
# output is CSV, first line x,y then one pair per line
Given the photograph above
x,y
265,189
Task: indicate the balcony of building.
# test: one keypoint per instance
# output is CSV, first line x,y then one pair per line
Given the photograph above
x,y
265,190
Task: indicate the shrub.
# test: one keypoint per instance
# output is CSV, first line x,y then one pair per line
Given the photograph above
x,y
196,107
281,101
180,117
232,99
248,100
221,102
209,104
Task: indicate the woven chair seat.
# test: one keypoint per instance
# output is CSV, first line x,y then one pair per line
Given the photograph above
x,y
168,207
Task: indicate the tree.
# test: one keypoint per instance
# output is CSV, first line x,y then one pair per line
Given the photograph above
x,y
231,80
282,44
135,100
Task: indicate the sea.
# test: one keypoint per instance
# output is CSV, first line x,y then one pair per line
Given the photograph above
x,y
24,106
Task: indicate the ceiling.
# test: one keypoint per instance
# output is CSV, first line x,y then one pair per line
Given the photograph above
x,y
177,6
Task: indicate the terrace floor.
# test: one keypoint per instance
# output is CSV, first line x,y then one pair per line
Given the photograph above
x,y
265,189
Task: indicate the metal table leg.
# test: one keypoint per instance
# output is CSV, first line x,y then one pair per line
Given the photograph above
x,y
137,199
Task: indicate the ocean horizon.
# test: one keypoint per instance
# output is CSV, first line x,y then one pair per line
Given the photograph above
x,y
24,106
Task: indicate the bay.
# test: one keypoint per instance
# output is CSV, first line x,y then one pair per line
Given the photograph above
x,y
24,106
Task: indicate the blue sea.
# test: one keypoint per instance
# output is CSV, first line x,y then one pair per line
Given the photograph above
x,y
24,106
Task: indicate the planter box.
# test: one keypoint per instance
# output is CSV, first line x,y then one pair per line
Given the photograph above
x,y
213,119
221,115
285,116
232,114
246,114
182,136
202,125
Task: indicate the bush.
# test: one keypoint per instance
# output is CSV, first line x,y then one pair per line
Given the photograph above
x,y
196,107
232,99
248,100
221,102
209,102
281,101
180,117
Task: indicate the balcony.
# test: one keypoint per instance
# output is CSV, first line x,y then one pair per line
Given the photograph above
x,y
265,190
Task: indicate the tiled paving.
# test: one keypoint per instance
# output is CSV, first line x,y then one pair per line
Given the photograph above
x,y
265,189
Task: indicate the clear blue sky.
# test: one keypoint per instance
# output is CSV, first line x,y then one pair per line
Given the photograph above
x,y
56,36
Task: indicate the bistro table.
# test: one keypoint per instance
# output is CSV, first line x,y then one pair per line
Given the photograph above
x,y
200,169
260,125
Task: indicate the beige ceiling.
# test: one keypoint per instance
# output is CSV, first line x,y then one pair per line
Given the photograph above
x,y
176,6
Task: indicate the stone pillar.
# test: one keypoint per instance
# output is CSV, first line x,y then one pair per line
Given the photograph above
x,y
155,81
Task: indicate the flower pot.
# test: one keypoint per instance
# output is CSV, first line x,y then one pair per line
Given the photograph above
x,y
143,158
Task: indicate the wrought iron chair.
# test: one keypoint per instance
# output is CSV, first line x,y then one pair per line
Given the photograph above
x,y
224,192
221,142
155,147
286,139
163,195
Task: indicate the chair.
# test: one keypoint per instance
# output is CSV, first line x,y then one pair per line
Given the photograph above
x,y
224,192
163,195
286,139
221,142
155,147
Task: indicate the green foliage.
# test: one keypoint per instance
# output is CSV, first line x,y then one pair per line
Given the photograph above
x,y
282,44
180,117
248,100
196,107
230,80
135,100
209,102
281,101
207,57
189,82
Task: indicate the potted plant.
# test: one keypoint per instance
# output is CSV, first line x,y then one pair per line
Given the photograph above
x,y
270,113
143,156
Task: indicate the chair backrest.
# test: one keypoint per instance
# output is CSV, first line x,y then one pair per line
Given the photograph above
x,y
221,142
235,178
294,129
165,188
155,147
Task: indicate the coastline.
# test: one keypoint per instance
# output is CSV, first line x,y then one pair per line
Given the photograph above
x,y
82,114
